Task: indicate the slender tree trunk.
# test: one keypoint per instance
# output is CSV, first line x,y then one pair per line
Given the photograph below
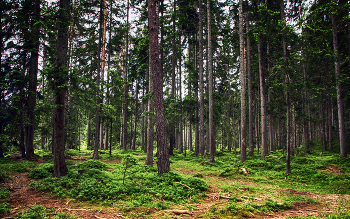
x,y
125,92
98,83
33,71
173,83
330,136
250,93
243,85
60,168
264,146
201,81
342,138
136,117
181,147
149,159
211,88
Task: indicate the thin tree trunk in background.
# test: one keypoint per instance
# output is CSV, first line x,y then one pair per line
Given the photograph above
x,y
173,82
330,136
136,117
201,81
125,91
264,146
342,138
98,83
306,110
211,101
181,147
89,133
228,125
243,84
149,159
60,168
250,93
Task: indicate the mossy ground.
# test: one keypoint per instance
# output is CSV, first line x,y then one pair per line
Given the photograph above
x,y
317,187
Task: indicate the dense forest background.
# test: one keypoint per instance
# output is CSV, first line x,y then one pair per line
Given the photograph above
x,y
248,76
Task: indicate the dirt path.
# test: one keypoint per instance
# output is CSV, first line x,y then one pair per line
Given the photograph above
x,y
22,198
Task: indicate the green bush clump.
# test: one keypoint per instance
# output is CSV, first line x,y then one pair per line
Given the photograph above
x,y
96,164
141,183
42,171
3,176
16,167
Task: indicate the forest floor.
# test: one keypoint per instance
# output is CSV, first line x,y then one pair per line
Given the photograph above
x,y
23,198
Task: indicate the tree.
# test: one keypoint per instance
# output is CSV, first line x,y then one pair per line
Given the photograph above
x,y
243,84
163,155
201,81
61,73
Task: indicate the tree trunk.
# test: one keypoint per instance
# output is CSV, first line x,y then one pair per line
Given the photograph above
x,y
33,71
342,138
173,83
264,146
201,81
243,84
60,168
250,93
136,117
163,154
211,100
149,159
125,92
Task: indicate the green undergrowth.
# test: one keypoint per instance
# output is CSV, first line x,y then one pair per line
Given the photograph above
x,y
309,172
127,184
41,212
16,166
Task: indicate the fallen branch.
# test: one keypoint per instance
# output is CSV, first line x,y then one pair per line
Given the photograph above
x,y
225,197
183,185
69,209
179,212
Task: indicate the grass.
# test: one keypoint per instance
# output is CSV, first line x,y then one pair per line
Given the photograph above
x,y
124,182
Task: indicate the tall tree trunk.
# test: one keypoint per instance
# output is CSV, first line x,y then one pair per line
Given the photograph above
x,y
173,83
181,146
250,93
342,138
98,82
163,154
149,159
243,84
33,71
330,136
211,88
125,77
264,146
60,168
136,115
201,81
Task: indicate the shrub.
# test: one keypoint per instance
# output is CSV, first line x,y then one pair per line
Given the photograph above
x,y
42,171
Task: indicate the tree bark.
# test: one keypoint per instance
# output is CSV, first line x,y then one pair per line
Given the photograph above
x,y
125,92
33,71
342,138
201,81
60,168
149,159
243,84
211,88
163,154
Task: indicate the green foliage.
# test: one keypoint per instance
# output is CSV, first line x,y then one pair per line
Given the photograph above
x,y
42,171
130,182
16,167
39,211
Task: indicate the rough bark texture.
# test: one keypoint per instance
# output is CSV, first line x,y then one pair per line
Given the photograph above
x,y
125,91
210,75
264,146
60,168
243,84
250,93
33,71
201,82
163,154
149,159
341,120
